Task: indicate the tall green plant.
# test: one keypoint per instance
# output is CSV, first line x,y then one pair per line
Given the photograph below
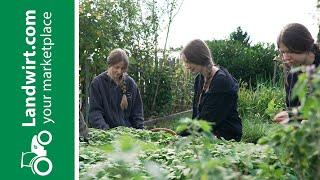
x,y
133,25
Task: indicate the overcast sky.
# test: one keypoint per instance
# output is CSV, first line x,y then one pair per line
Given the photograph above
x,y
262,19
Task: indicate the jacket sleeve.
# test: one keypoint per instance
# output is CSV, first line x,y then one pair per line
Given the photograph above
x,y
96,109
136,114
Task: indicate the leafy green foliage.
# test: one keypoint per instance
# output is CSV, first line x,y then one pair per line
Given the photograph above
x,y
298,144
135,26
255,128
256,107
245,63
273,108
240,36
125,153
262,101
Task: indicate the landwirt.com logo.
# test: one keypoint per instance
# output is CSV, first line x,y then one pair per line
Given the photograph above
x,y
37,159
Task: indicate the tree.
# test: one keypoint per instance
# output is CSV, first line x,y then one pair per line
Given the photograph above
x,y
133,25
241,36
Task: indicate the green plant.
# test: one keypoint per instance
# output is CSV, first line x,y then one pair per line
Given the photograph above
x,y
126,153
255,127
298,144
240,36
261,101
135,26
272,109
245,63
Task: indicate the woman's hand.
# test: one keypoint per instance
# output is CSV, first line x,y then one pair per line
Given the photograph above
x,y
282,117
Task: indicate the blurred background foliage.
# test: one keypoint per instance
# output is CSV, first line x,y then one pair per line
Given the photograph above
x,y
165,87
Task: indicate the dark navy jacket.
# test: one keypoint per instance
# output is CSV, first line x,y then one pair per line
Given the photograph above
x,y
219,104
291,80
105,97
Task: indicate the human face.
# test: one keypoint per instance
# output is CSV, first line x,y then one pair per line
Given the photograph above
x,y
292,58
194,68
116,70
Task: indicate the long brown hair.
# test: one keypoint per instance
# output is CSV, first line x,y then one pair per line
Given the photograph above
x,y
197,52
297,38
116,56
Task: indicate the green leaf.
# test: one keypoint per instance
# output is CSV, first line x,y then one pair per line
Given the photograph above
x,y
205,126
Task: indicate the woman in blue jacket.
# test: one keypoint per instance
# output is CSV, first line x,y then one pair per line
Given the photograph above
x,y
114,96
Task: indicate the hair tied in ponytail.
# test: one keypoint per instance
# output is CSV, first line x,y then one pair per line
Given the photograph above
x,y
124,102
123,86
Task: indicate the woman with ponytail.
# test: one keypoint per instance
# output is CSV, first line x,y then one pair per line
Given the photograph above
x,y
114,96
297,48
215,92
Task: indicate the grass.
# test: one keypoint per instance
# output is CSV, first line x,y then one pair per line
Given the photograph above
x,y
252,105
253,102
255,127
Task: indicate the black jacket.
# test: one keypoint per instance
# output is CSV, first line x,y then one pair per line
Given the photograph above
x,y
291,80
105,97
219,104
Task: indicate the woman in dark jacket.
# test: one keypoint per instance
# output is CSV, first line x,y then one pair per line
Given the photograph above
x,y
215,91
297,48
114,96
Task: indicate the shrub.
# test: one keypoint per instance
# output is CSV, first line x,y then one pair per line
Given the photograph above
x,y
245,63
254,101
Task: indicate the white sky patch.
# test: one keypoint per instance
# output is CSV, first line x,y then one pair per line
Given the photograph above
x,y
262,19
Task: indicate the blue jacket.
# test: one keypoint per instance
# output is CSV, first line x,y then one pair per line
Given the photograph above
x,y
105,97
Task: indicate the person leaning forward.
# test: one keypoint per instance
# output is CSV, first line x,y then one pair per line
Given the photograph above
x,y
215,91
297,48
115,99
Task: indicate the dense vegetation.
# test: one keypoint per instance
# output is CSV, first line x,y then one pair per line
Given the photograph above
x,y
267,150
287,152
164,85
246,63
298,145
124,153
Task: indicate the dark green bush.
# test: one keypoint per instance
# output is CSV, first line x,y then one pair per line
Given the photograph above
x,y
244,62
